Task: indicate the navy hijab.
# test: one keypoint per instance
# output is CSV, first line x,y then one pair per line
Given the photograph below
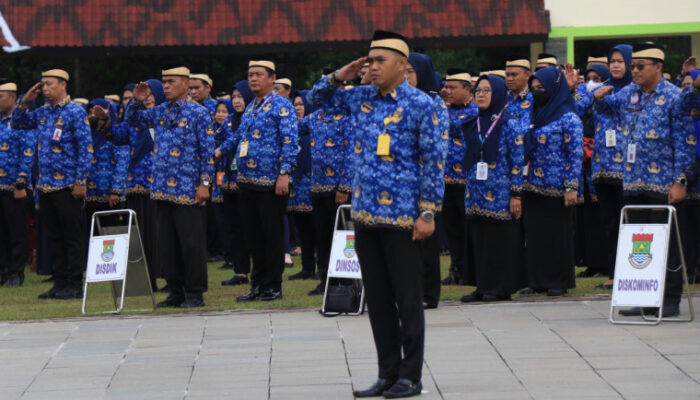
x,y
304,155
99,139
143,144
499,101
425,72
626,51
248,97
601,70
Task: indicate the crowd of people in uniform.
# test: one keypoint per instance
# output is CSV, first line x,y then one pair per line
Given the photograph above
x,y
524,168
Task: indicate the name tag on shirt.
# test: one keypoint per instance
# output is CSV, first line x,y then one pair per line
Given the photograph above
x,y
57,134
631,153
153,133
220,178
610,138
243,149
383,145
482,171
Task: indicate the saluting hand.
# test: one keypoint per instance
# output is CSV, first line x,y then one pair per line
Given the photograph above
x,y
141,92
688,65
676,194
352,70
571,75
602,92
422,229
32,93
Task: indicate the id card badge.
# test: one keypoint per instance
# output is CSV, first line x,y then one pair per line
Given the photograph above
x,y
57,133
482,171
243,149
526,169
610,138
152,131
220,178
383,145
631,153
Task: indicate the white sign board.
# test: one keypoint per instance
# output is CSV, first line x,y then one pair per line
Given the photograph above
x,y
107,258
343,261
640,266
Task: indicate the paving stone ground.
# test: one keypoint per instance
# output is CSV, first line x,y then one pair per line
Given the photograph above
x,y
518,350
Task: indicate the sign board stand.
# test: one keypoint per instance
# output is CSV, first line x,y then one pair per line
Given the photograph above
x,y
343,262
640,266
115,254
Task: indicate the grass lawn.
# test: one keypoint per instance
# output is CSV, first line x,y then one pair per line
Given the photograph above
x,y
22,303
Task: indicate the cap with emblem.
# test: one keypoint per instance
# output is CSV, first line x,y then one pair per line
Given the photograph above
x,y
458,74
648,50
176,70
284,81
593,59
56,73
518,61
262,63
390,41
204,78
81,100
7,86
546,58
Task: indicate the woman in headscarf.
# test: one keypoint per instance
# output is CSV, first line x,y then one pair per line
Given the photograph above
x,y
494,162
421,74
299,206
554,152
140,176
236,253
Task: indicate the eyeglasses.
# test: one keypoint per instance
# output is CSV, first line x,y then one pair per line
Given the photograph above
x,y
482,91
641,66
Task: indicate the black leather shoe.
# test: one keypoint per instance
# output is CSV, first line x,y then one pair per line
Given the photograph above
x,y
171,301
490,297
527,290
318,290
603,286
235,280
377,388
50,294
301,275
403,388
470,298
289,265
192,302
250,296
226,265
270,295
670,310
13,281
68,293
556,292
637,311
447,280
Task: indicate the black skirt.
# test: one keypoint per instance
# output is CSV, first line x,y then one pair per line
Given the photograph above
x,y
549,247
145,209
497,262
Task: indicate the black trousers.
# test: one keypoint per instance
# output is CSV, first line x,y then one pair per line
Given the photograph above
x,y
549,242
235,247
182,248
430,258
263,213
146,215
392,276
453,221
324,218
63,218
14,240
691,239
609,206
214,246
306,227
674,280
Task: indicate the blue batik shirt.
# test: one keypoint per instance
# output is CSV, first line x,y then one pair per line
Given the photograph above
x,y
691,106
140,172
64,143
183,148
490,198
391,190
220,134
270,128
300,193
331,152
556,163
454,171
519,107
663,135
210,104
108,171
16,155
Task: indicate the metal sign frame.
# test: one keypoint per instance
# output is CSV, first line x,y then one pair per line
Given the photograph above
x,y
670,223
136,268
342,219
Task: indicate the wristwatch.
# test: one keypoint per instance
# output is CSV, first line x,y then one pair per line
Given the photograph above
x,y
682,181
567,190
333,78
284,172
206,182
427,216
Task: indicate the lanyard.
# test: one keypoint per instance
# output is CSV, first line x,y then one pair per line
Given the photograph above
x,y
482,139
638,109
